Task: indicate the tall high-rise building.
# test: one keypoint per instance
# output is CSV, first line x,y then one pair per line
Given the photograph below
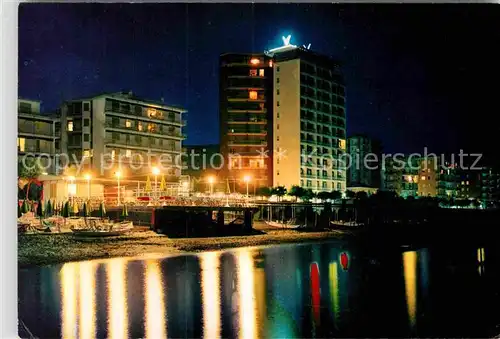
x,y
120,130
246,111
309,128
282,118
365,160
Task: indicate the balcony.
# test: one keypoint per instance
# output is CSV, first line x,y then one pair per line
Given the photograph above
x,y
144,144
39,131
34,149
257,143
247,121
258,111
144,116
246,132
133,130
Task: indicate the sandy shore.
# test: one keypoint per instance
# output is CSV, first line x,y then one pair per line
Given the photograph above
x,y
41,249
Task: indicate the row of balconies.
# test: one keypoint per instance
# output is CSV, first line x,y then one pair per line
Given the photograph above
x,y
144,143
145,131
42,129
150,114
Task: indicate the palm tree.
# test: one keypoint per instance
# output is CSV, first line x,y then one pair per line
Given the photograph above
x,y
308,194
264,191
28,169
334,195
323,195
349,194
296,191
279,191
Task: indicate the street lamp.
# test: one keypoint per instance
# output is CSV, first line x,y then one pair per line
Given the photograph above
x,y
247,179
211,181
118,174
71,187
156,172
88,177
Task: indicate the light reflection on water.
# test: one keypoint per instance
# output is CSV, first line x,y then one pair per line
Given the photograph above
x,y
291,291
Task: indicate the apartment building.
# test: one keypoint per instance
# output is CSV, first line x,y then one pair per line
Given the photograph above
x,y
309,119
245,103
401,175
365,154
38,135
120,131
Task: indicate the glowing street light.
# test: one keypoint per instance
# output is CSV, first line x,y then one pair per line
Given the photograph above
x,y
211,181
88,177
247,179
118,174
156,172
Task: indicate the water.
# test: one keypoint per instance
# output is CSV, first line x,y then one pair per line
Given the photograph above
x,y
318,290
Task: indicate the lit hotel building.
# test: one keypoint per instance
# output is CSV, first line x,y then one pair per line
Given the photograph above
x,y
282,118
118,127
309,129
245,98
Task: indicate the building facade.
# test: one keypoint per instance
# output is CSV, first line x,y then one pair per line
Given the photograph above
x,y
309,128
121,132
490,186
246,111
365,158
38,135
401,175
282,119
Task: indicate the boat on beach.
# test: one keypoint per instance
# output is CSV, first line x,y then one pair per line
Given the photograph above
x,y
292,224
346,224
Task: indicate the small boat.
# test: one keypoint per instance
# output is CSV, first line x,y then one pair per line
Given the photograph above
x,y
289,224
346,224
97,233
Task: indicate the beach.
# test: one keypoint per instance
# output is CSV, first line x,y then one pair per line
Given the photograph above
x,y
46,249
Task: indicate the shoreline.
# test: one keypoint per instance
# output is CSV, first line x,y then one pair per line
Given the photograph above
x,y
50,249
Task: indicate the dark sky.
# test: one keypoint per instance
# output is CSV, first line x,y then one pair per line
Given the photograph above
x,y
416,75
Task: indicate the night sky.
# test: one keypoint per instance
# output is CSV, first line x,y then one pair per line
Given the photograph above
x,y
416,75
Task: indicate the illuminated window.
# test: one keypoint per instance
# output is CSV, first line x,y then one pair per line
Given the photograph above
x,y
113,154
261,72
70,126
151,112
463,183
86,153
253,72
128,153
467,183
254,61
139,126
21,144
128,123
253,95
423,177
342,144
270,63
151,128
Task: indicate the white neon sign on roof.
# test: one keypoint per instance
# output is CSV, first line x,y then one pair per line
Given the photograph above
x,y
287,44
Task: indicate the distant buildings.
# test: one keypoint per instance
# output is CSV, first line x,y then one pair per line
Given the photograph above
x,y
490,185
401,175
282,118
38,135
120,130
365,154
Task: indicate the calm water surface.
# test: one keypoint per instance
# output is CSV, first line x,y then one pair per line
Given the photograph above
x,y
318,290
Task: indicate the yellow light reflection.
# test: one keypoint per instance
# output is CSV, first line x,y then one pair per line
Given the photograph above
x,y
68,294
210,289
480,260
87,300
246,294
334,290
116,271
260,296
410,277
155,306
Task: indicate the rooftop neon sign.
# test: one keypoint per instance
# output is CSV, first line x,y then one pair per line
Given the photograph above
x,y
287,45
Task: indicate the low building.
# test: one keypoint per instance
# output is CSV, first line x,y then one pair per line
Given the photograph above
x,y
115,131
490,185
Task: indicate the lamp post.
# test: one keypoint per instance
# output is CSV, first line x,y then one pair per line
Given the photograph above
x,y
247,179
118,175
156,171
211,181
88,177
